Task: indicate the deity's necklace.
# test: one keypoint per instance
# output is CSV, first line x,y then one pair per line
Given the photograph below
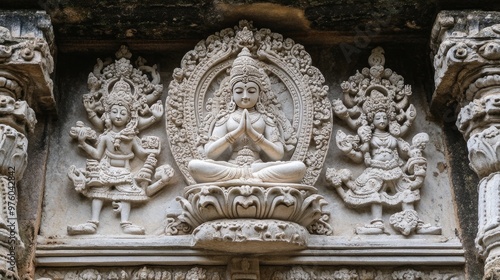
x,y
238,118
382,138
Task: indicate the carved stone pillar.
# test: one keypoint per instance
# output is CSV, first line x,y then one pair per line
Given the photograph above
x,y
25,85
466,46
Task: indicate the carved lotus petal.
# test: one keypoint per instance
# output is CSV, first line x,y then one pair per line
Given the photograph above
x,y
299,204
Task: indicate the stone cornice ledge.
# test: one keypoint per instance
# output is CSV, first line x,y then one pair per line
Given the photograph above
x,y
177,250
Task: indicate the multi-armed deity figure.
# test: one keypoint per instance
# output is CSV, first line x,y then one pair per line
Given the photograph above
x,y
249,129
376,106
122,101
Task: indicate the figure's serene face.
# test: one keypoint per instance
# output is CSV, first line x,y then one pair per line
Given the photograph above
x,y
119,115
380,120
246,95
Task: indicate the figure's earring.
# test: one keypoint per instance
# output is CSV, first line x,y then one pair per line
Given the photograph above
x,y
107,121
260,107
231,106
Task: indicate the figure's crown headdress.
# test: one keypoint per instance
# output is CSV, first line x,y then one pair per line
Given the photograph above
x,y
377,102
121,94
246,69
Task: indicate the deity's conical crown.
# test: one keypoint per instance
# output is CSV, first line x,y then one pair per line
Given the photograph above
x,y
377,102
121,94
246,69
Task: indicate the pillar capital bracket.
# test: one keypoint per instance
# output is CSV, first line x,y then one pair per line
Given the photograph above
x,y
26,61
466,55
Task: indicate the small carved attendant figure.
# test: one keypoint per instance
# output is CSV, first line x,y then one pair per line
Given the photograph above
x,y
395,170
109,174
248,131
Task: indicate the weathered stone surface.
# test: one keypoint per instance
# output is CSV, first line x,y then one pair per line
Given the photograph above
x,y
433,206
27,53
25,66
144,23
466,48
338,35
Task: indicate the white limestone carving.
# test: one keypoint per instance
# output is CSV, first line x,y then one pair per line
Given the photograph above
x,y
142,273
257,137
292,85
244,235
25,66
304,273
253,126
121,103
243,268
376,106
297,203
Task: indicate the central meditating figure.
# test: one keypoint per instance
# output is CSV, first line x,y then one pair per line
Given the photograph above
x,y
247,131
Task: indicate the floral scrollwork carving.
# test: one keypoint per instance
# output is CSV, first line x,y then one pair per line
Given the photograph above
x,y
376,106
122,101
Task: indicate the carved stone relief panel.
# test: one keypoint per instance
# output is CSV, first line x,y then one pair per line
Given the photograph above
x,y
249,124
376,107
248,272
247,131
134,273
116,157
122,101
365,273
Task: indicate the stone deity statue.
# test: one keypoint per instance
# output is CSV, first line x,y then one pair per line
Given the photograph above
x,y
248,124
395,169
247,132
109,175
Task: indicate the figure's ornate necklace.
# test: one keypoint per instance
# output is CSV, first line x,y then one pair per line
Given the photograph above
x,y
382,138
237,117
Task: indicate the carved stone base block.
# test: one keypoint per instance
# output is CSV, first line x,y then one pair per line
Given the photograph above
x,y
250,236
243,268
258,217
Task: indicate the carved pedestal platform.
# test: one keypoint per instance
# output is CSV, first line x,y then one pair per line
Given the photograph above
x,y
251,236
259,217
